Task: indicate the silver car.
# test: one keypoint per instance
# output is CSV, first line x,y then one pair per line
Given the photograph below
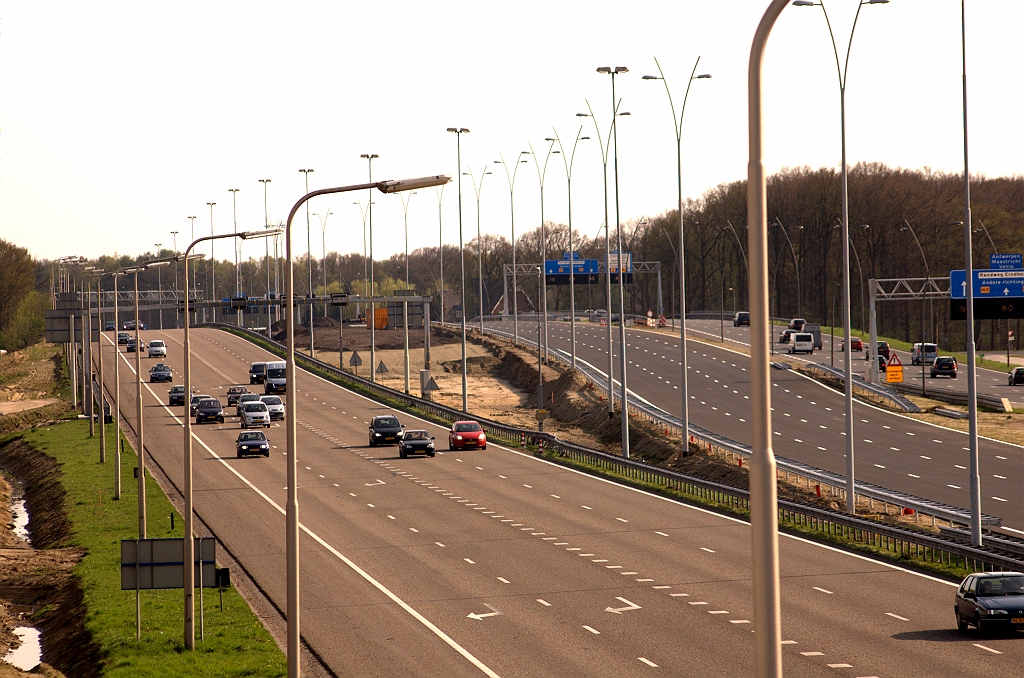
x,y
255,413
275,405
245,398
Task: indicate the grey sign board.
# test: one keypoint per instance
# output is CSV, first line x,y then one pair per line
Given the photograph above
x,y
395,313
58,327
158,563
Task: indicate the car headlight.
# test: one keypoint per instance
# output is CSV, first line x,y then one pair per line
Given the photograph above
x,y
483,437
376,434
430,445
997,612
458,437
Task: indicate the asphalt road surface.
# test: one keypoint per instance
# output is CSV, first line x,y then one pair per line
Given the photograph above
x,y
808,419
496,563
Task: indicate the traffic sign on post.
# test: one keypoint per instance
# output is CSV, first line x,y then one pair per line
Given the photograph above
x,y
894,370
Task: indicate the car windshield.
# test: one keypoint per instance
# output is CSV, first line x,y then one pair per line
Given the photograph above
x,y
272,400
276,373
177,389
1012,585
803,337
417,435
209,403
197,398
472,426
248,397
255,407
252,435
387,422
257,367
156,343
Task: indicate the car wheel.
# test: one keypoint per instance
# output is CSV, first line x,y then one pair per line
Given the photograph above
x,y
241,424
221,420
238,455
402,454
483,447
267,453
977,624
961,625
953,375
430,454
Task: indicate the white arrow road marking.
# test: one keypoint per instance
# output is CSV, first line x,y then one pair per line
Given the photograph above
x,y
493,613
620,610
379,482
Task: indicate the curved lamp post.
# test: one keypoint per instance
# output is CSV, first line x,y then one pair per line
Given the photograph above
x,y
511,178
292,505
543,301
796,264
604,146
440,252
842,72
572,258
372,315
924,303
188,543
458,132
677,127
477,188
266,248
309,267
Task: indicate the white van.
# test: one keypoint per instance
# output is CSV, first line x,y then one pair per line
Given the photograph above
x,y
931,351
157,349
801,342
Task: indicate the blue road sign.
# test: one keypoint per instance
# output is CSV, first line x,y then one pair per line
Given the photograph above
x,y
579,267
575,256
1005,262
990,284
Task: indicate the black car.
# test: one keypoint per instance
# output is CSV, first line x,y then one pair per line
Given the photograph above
x,y
988,600
946,365
123,337
416,442
160,372
784,337
234,393
741,318
252,442
209,409
257,373
193,405
131,345
1017,376
109,326
797,324
385,430
176,396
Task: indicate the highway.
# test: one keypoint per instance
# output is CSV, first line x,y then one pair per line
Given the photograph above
x,y
891,450
497,563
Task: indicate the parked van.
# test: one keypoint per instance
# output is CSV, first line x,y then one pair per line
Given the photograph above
x,y
276,380
931,351
801,342
814,329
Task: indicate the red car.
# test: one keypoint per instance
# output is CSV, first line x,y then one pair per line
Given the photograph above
x,y
466,434
856,344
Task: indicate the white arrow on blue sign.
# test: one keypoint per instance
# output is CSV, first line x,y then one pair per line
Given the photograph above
x,y
988,283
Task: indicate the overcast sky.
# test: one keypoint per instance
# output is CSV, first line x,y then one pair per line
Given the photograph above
x,y
122,119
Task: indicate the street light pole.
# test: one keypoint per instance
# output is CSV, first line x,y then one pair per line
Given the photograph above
x,y
603,146
511,178
212,286
266,247
292,504
174,236
459,131
796,264
309,266
572,258
160,313
372,315
234,224
440,251
406,199
622,274
543,301
477,188
764,516
842,72
972,386
924,306
677,127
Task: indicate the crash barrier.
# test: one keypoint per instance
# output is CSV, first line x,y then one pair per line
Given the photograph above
x,y
994,402
883,392
903,542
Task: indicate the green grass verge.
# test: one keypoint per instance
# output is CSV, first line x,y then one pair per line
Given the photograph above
x,y
236,644
950,571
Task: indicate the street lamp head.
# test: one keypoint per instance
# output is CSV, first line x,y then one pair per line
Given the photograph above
x,y
369,156
246,235
548,139
604,69
624,113
804,3
155,264
651,77
583,115
955,223
458,130
702,76
584,138
877,2
621,69
395,186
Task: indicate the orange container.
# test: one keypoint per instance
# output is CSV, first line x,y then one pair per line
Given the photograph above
x,y
382,318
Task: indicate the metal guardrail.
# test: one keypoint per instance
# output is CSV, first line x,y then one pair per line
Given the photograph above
x,y
898,540
875,389
834,482
948,395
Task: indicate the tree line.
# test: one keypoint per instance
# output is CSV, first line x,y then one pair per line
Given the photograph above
x,y
887,207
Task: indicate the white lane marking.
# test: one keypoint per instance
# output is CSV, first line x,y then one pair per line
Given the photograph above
x,y
592,630
718,611
503,580
813,654
469,561
680,595
983,647
647,661
622,519
661,533
840,666
818,588
697,603
739,621
587,507
414,529
896,616
706,549
619,610
439,544
788,642
543,602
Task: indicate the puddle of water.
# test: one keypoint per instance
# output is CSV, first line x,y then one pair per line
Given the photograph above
x,y
29,653
20,516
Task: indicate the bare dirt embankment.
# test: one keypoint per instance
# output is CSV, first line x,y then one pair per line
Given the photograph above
x,y
33,388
